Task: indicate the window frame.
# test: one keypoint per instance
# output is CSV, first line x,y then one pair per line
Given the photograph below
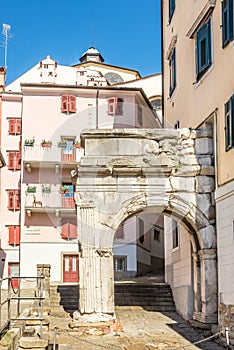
x,y
175,234
14,235
68,225
141,230
203,49
15,126
13,200
14,160
122,258
229,123
171,9
172,70
115,106
68,103
227,22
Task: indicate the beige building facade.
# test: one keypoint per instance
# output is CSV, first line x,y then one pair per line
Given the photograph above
x,y
198,57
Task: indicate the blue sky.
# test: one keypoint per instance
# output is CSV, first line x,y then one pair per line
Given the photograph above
x,y
126,32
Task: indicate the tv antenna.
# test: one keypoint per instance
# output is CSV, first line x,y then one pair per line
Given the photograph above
x,y
6,36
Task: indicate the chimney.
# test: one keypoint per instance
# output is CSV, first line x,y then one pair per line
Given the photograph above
x,y
2,78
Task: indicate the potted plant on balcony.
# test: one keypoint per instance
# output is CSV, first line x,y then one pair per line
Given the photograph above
x,y
45,143
31,189
77,144
46,188
62,143
29,142
64,189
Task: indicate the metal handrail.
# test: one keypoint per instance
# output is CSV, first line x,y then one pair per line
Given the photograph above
x,y
6,320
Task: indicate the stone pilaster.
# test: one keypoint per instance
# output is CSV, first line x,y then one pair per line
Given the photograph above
x,y
196,283
209,297
96,277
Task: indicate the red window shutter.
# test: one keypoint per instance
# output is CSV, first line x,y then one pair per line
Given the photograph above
x,y
72,103
64,103
14,161
111,106
10,200
17,235
18,126
72,229
65,229
11,126
18,161
11,160
11,235
17,199
119,106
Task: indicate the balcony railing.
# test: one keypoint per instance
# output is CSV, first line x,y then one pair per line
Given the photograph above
x,y
53,200
53,154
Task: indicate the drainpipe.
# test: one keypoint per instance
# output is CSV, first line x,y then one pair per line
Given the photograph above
x,y
97,94
162,65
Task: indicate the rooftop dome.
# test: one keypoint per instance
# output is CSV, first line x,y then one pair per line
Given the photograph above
x,y
91,54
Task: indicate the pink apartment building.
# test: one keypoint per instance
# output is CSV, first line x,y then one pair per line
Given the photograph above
x,y
43,114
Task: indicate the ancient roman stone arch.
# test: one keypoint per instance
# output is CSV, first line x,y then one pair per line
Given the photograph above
x,y
127,170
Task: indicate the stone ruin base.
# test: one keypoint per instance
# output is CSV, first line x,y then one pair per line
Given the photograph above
x,y
95,324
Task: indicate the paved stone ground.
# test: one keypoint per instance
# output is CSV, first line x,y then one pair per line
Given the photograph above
x,y
142,330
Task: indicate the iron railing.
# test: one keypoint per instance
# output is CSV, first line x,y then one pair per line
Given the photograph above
x,y
13,299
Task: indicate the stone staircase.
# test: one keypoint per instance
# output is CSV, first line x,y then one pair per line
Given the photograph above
x,y
64,299
150,296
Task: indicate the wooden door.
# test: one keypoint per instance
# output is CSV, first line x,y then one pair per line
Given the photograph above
x,y
70,268
13,271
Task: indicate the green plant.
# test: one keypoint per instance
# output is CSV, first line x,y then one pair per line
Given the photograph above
x,y
64,189
29,142
62,143
77,144
31,189
46,143
46,188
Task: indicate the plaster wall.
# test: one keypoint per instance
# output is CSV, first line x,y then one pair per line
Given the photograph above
x,y
199,103
178,269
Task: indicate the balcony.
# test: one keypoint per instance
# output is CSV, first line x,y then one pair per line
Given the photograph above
x,y
53,202
37,156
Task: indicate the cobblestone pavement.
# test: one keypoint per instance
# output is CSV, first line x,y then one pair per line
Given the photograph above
x,y
142,330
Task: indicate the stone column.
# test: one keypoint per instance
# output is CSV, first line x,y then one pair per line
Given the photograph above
x,y
196,283
96,277
209,298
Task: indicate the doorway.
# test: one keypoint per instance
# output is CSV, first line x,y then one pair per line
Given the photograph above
x,y
70,268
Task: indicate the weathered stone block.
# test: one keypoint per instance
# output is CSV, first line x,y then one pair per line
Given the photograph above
x,y
204,146
204,184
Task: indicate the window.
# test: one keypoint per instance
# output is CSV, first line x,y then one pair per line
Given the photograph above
x,y
156,232
175,234
68,104
13,199
120,264
203,49
69,228
156,103
14,235
172,68
171,9
139,115
14,126
119,233
115,106
227,21
141,231
14,160
229,123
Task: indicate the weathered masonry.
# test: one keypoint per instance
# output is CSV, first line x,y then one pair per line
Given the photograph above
x,y
125,171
